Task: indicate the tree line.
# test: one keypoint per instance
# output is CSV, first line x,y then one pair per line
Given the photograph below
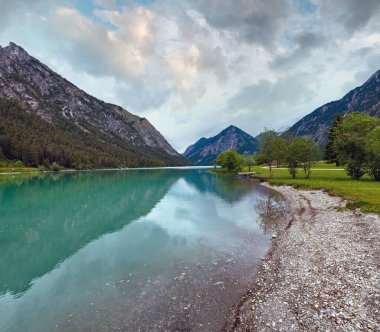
x,y
275,150
353,142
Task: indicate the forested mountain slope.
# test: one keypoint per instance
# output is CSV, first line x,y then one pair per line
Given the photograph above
x,y
44,116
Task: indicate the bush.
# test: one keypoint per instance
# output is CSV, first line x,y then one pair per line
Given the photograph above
x,y
41,168
355,169
373,169
372,145
19,164
55,167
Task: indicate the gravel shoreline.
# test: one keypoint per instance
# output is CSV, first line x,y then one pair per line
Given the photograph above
x,y
322,273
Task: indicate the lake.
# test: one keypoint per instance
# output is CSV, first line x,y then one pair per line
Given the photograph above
x,y
133,250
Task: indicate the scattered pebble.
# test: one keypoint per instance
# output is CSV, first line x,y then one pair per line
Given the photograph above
x,y
322,274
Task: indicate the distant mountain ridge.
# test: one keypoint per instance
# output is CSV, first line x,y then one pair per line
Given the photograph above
x,y
102,134
365,98
205,150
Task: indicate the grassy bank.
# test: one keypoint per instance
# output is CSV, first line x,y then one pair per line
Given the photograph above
x,y
7,170
363,193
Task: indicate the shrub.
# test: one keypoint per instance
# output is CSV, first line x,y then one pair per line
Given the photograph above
x,y
41,168
55,167
19,164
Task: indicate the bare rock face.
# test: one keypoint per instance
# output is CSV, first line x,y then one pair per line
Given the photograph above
x,y
38,89
365,98
205,151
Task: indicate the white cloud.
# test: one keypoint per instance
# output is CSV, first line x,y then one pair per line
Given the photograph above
x,y
122,53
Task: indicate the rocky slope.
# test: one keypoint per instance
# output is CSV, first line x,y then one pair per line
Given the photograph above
x,y
205,151
39,90
365,98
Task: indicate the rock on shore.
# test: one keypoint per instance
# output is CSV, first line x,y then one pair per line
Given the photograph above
x,y
323,273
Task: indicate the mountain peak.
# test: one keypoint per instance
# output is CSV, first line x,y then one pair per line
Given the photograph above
x,y
375,76
14,51
205,150
14,46
231,127
365,98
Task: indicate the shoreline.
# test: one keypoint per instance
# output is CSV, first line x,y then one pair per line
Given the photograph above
x,y
322,272
107,169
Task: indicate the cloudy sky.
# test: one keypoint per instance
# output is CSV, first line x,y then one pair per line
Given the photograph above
x,y
193,67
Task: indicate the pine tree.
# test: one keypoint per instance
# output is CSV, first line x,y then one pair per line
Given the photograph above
x,y
331,155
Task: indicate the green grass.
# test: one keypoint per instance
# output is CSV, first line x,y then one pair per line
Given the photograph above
x,y
221,171
363,193
18,169
324,165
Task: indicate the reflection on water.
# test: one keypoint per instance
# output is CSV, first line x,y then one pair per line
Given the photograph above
x,y
270,210
128,250
45,220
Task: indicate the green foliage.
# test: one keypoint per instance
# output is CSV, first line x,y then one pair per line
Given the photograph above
x,y
293,157
373,153
331,154
9,166
304,151
269,148
294,151
259,159
355,169
55,167
249,159
41,168
230,160
19,164
350,142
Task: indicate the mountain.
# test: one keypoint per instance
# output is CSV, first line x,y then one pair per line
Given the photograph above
x,y
45,117
205,151
365,98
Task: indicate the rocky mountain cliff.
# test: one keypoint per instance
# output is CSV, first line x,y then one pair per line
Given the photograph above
x,y
365,98
205,151
109,130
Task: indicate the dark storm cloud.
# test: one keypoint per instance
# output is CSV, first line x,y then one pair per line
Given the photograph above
x,y
267,96
352,14
305,43
309,40
253,21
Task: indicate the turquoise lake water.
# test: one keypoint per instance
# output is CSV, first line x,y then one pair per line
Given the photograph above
x,y
135,250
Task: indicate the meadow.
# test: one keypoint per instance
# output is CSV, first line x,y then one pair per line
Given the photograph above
x,y
363,193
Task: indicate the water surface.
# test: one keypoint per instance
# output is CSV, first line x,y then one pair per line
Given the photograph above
x,y
129,250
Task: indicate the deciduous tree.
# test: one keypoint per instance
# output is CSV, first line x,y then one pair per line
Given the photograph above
x,y
350,142
230,160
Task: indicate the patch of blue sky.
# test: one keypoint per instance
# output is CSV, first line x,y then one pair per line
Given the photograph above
x,y
89,7
305,6
305,22
86,7
145,2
